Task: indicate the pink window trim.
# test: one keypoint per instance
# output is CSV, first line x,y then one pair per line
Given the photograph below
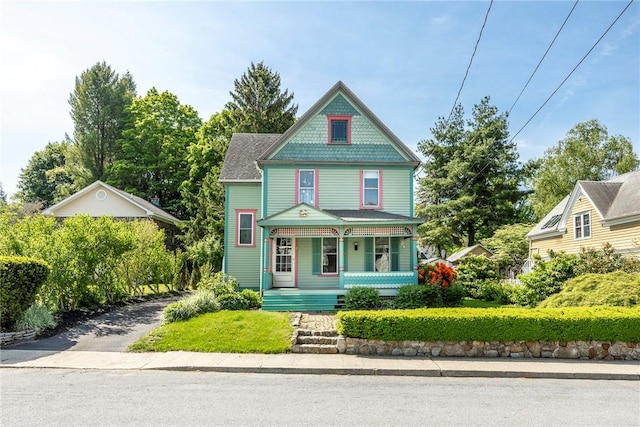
x,y
316,181
362,205
329,120
253,228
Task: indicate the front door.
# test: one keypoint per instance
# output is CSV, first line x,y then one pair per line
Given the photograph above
x,y
284,263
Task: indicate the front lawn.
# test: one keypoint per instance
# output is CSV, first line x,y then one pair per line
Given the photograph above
x,y
223,332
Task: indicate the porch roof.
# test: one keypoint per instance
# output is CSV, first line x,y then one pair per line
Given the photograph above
x,y
304,215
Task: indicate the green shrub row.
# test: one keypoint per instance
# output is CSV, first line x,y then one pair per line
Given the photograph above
x,y
20,280
495,324
409,296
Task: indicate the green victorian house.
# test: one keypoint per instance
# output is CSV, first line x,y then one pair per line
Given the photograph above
x,y
324,207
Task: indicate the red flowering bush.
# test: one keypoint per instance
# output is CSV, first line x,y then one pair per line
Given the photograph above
x,y
440,274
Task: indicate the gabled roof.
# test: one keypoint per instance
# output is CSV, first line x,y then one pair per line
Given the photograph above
x,y
341,88
240,161
303,215
616,201
455,257
151,210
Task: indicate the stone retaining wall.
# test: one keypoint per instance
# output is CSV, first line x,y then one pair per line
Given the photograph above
x,y
516,349
8,338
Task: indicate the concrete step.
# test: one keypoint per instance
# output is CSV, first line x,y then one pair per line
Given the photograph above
x,y
317,339
318,332
314,349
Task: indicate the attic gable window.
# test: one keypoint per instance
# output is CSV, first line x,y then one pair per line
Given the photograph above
x,y
582,226
339,130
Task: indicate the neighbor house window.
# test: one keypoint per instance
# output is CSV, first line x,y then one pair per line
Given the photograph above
x,y
371,193
381,253
339,129
306,184
329,255
582,225
245,227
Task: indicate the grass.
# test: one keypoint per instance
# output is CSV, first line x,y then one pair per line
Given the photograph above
x,y
222,332
474,303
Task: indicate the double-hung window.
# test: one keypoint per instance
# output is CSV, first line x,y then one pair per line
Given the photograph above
x,y
245,221
307,186
582,225
339,129
329,255
370,185
381,254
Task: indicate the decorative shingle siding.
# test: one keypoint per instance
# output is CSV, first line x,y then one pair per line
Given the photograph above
x,y
339,106
348,153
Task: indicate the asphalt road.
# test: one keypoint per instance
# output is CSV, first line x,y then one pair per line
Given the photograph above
x,y
52,397
113,331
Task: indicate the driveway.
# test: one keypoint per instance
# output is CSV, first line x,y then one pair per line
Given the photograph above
x,y
113,331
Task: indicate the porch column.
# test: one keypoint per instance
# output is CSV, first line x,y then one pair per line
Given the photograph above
x,y
266,261
341,260
414,254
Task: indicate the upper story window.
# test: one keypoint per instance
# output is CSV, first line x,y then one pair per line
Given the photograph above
x,y
339,129
307,186
582,225
245,223
371,189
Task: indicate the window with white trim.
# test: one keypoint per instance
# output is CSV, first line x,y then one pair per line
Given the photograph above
x,y
381,253
245,229
329,255
371,188
582,225
306,186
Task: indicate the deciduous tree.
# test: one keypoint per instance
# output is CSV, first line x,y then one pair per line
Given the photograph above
x,y
586,153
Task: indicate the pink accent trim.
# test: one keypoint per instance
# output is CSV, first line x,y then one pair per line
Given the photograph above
x,y
295,251
341,268
297,186
328,275
414,238
253,228
329,120
380,204
271,263
316,187
341,239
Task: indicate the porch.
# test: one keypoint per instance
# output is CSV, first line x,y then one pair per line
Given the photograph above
x,y
295,299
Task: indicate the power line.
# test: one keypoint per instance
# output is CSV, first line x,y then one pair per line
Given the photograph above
x,y
543,56
471,60
572,71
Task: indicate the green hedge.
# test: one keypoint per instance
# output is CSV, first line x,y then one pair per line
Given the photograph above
x,y
20,280
495,324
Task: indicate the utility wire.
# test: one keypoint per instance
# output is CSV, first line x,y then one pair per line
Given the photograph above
x,y
572,71
471,60
543,56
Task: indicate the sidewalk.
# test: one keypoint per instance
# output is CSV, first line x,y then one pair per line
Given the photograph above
x,y
333,364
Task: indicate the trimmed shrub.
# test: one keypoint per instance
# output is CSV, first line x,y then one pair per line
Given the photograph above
x,y
252,298
612,289
20,280
233,301
37,318
362,298
452,295
194,305
495,324
417,296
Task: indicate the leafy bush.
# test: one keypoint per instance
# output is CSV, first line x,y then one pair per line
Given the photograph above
x,y
474,271
362,298
20,280
37,318
605,260
546,278
252,298
233,301
452,296
202,301
612,289
218,283
494,324
439,274
417,296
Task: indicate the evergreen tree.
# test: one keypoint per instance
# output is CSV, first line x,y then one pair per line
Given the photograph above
x,y
471,178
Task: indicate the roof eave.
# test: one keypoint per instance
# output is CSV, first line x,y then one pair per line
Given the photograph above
x,y
621,220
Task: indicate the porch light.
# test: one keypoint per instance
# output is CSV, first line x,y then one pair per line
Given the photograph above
x,y
355,246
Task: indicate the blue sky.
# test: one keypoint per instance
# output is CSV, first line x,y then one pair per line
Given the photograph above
x,y
405,60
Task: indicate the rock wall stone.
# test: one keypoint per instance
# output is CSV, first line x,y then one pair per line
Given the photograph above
x,y
599,350
9,338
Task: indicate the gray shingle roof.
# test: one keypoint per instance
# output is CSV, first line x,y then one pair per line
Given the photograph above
x,y
244,149
369,215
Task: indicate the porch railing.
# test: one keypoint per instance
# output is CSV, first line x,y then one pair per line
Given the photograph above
x,y
387,280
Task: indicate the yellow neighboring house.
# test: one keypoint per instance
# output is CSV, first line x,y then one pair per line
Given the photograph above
x,y
595,213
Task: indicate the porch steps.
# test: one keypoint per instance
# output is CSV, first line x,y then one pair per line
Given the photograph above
x,y
316,341
293,300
